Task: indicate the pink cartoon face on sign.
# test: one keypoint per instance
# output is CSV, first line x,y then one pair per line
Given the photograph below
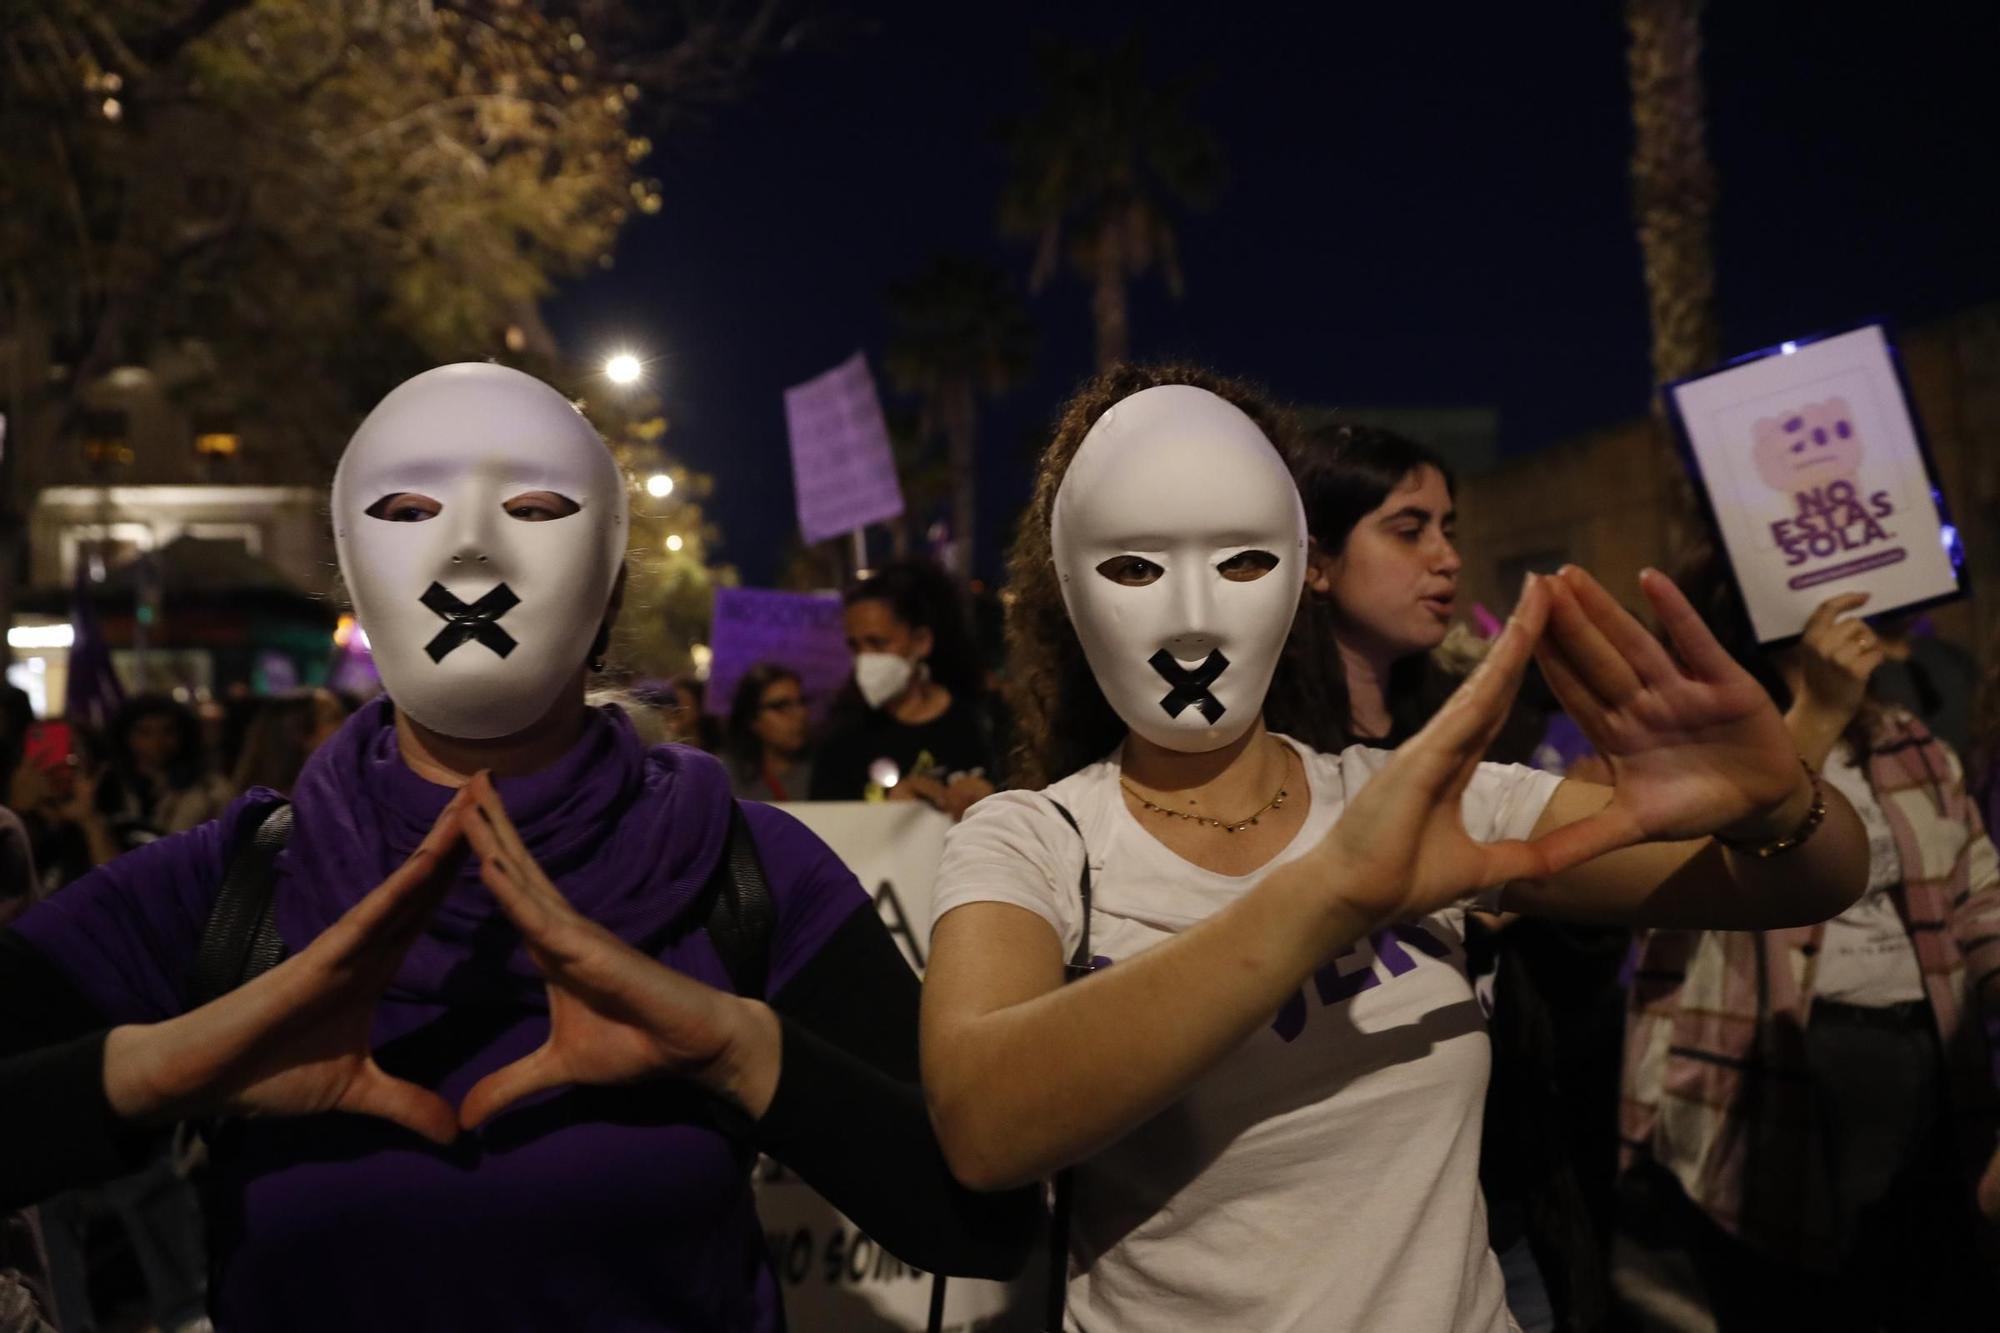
x,y
1809,448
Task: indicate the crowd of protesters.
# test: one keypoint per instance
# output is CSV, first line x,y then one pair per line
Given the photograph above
x,y
1769,1128
160,765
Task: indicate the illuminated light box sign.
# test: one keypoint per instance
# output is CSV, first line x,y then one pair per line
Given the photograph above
x,y
1814,467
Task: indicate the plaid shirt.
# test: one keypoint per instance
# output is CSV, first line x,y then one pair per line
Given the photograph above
x,y
1715,1086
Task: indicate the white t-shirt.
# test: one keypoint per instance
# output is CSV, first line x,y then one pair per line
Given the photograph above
x,y
1866,956
1325,1174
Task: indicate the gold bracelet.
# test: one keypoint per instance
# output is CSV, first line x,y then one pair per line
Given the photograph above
x,y
1814,817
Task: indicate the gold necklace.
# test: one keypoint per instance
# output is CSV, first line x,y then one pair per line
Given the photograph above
x,y
1277,802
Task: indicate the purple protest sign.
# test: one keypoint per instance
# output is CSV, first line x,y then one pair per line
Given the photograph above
x,y
801,630
842,469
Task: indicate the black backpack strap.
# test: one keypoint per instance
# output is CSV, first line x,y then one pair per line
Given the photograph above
x,y
1079,965
1079,961
740,917
240,940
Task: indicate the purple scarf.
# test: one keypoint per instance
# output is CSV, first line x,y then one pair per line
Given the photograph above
x,y
630,835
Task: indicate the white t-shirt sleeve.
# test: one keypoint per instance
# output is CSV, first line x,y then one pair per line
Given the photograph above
x,y
1504,800
1014,848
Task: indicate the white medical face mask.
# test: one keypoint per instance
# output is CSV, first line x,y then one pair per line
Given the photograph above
x,y
1180,544
481,590
881,676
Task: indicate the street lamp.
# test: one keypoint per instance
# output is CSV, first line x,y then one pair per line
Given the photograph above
x,y
659,485
623,368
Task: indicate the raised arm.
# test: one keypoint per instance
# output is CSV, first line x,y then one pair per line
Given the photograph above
x,y
1025,1075
1696,749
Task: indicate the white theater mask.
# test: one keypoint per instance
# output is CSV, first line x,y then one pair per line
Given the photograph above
x,y
481,525
1180,544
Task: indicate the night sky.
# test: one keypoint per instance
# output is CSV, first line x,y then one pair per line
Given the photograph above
x,y
1419,212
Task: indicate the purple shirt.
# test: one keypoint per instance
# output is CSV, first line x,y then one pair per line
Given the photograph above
x,y
600,1209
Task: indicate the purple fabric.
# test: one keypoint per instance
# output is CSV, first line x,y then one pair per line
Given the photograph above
x,y
584,1208
361,812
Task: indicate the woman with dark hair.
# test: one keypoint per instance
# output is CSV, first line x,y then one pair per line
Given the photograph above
x,y
1372,663
157,782
911,727
1383,573
1268,1077
1812,1114
766,738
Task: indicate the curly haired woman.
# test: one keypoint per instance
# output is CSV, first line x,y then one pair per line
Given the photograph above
x,y
1269,1081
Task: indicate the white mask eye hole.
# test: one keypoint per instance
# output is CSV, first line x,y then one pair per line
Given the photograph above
x,y
1130,570
405,507
1247,566
539,506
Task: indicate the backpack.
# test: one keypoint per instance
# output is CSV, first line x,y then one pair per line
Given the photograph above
x,y
240,940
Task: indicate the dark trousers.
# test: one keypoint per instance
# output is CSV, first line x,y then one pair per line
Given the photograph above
x,y
1913,1253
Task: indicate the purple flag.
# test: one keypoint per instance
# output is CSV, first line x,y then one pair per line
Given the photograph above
x,y
842,469
93,693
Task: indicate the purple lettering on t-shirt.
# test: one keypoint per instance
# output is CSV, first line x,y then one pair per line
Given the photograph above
x,y
1335,984
1291,1019
1391,953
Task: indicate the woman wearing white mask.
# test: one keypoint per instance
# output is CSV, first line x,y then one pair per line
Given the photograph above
x,y
515,1060
912,728
1269,1082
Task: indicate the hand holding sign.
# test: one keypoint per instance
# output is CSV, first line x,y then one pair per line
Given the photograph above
x,y
1836,658
615,1015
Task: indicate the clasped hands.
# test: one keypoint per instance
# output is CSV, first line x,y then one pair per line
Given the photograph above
x,y
295,1040
1694,745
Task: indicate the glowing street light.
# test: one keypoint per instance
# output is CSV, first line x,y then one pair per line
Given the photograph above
x,y
659,485
624,368
674,542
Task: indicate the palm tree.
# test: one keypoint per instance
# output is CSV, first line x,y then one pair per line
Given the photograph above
x,y
1673,209
1095,167
1673,185
961,331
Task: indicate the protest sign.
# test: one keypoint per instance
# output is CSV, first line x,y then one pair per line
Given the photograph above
x,y
833,1276
893,848
1813,464
801,630
842,468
